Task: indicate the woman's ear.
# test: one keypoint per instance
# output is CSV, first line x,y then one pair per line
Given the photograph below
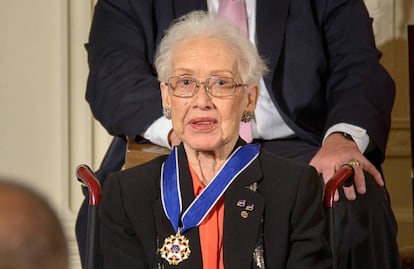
x,y
165,96
252,96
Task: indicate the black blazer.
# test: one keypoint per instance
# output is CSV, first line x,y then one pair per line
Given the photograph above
x,y
288,199
324,67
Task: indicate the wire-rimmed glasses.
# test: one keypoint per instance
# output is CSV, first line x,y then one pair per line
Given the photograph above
x,y
186,86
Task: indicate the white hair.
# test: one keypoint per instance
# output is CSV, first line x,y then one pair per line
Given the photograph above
x,y
200,23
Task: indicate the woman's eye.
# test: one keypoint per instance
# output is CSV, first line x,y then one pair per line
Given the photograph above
x,y
222,82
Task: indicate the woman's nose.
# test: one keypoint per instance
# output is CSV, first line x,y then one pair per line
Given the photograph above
x,y
202,97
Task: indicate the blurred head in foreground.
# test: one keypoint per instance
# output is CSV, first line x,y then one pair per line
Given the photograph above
x,y
31,235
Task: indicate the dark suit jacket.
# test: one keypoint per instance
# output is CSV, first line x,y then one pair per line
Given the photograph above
x,y
288,199
324,67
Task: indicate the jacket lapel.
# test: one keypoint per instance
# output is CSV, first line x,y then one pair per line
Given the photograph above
x,y
243,213
271,17
270,43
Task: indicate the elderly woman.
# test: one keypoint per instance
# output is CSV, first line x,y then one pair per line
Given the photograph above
x,y
214,202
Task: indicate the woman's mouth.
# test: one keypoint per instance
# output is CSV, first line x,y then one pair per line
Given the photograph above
x,y
203,123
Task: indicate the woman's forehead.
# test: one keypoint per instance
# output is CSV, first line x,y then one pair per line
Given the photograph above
x,y
202,45
204,52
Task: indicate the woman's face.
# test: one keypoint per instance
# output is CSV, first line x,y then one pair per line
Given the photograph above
x,y
204,122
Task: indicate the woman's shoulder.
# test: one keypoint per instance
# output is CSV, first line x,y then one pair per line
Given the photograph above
x,y
273,161
286,172
285,180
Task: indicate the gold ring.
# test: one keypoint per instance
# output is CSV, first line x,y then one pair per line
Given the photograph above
x,y
354,163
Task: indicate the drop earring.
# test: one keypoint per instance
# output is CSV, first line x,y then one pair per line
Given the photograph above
x,y
166,111
247,116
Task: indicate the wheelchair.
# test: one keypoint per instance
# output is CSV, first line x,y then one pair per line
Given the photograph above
x,y
343,177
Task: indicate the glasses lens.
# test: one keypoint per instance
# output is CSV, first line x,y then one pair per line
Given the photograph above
x,y
221,86
182,86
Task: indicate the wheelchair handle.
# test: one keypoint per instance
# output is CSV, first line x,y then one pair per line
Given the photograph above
x,y
344,176
88,178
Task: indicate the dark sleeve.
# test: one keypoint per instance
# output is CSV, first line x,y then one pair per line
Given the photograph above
x,y
122,89
309,247
359,90
119,242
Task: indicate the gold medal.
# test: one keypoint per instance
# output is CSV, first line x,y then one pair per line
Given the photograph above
x,y
176,248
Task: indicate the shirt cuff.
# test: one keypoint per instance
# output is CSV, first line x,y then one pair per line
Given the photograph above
x,y
158,132
359,135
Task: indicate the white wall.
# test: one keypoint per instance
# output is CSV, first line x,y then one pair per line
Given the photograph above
x,y
46,125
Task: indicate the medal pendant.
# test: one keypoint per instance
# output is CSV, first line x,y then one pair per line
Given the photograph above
x,y
176,248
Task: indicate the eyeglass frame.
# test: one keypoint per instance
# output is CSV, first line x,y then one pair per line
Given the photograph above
x,y
206,87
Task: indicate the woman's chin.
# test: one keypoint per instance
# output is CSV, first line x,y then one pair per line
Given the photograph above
x,y
206,145
207,142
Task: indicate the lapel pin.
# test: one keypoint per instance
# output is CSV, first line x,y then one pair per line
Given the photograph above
x,y
244,214
252,187
241,203
250,207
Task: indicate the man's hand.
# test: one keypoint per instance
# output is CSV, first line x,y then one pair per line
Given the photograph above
x,y
336,151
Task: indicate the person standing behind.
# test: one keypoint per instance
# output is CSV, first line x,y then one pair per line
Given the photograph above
x,y
215,202
31,236
326,100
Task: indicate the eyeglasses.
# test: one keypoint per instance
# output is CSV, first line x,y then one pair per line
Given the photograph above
x,y
186,87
